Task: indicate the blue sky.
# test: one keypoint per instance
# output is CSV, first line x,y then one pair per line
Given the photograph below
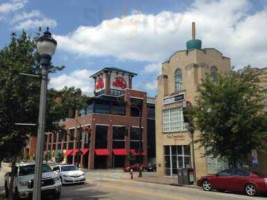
x,y
137,35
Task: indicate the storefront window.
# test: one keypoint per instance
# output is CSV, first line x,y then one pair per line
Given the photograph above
x,y
71,134
173,120
118,137
176,157
101,140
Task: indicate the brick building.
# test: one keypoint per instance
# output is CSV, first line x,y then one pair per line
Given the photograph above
x,y
107,133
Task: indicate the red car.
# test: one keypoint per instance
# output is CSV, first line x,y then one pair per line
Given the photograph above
x,y
238,180
135,167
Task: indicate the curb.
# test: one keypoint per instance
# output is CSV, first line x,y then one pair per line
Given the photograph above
x,y
171,184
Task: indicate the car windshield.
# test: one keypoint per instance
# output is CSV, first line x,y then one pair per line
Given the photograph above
x,y
29,169
69,168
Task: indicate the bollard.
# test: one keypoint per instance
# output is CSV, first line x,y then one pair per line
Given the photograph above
x,y
131,172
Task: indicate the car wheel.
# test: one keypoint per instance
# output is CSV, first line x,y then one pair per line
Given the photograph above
x,y
250,189
6,190
206,185
57,195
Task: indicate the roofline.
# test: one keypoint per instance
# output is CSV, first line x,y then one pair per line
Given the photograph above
x,y
109,68
186,51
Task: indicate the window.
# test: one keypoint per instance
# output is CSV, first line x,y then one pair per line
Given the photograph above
x,y
135,138
176,157
215,165
228,172
118,137
102,108
117,110
239,172
115,92
101,140
151,111
71,134
173,120
178,80
213,73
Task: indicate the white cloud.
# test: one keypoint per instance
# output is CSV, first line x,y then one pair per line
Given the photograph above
x,y
154,68
26,15
35,23
152,85
223,24
12,5
78,78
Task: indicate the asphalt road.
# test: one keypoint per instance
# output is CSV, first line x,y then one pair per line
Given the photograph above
x,y
116,185
111,187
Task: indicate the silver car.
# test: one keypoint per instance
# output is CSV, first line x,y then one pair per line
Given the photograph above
x,y
69,174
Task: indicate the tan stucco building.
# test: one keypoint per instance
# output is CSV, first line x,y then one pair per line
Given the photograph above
x,y
180,77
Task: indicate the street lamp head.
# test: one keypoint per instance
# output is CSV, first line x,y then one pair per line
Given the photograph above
x,y
46,46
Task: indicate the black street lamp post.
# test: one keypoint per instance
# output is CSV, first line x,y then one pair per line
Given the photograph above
x,y
46,47
140,143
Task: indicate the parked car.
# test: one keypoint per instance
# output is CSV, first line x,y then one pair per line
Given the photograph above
x,y
239,180
135,167
69,174
24,180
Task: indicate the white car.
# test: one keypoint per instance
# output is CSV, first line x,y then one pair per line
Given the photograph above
x,y
24,177
70,174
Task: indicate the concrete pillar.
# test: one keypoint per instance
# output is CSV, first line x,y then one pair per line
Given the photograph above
x,y
127,145
91,159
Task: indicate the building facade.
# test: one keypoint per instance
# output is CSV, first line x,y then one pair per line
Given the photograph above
x,y
178,83
107,133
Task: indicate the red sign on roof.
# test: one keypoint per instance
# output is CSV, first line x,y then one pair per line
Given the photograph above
x,y
120,82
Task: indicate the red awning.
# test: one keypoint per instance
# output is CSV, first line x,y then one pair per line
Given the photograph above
x,y
135,152
84,151
75,151
101,152
120,152
68,152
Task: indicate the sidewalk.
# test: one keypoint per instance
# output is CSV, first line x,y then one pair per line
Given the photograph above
x,y
165,180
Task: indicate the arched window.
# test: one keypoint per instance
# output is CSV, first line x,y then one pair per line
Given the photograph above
x,y
213,73
178,80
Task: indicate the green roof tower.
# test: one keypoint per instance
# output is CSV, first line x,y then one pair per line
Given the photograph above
x,y
194,43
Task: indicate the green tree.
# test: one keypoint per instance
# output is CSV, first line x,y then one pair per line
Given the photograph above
x,y
19,96
59,156
229,114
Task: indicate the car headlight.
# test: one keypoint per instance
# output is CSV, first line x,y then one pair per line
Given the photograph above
x,y
265,180
56,178
23,183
